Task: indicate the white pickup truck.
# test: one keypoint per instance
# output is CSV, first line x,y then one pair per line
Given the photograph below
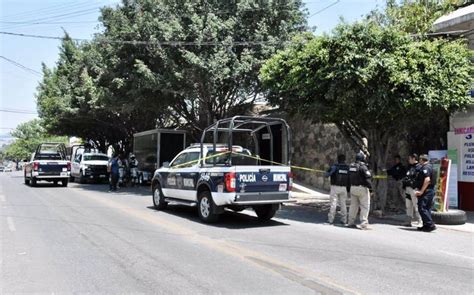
x,y
48,163
89,166
215,176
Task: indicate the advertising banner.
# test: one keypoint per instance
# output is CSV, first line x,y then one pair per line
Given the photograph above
x,y
441,168
467,158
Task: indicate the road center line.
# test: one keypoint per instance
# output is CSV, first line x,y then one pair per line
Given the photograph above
x,y
11,225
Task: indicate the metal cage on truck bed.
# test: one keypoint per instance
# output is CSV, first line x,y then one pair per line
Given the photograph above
x,y
271,137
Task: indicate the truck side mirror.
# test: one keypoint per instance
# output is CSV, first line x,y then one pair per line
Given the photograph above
x,y
166,164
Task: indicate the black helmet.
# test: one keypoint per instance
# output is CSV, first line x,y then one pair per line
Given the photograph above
x,y
360,156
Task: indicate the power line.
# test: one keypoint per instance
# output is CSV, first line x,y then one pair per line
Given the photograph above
x,y
160,43
51,23
57,17
44,10
16,111
19,65
325,8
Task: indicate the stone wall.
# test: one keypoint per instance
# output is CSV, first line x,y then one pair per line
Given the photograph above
x,y
317,146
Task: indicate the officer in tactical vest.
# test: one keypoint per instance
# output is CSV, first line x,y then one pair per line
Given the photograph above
x,y
360,186
411,201
424,184
339,174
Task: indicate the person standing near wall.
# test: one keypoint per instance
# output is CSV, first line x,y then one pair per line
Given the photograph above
x,y
425,192
339,174
398,172
360,185
411,201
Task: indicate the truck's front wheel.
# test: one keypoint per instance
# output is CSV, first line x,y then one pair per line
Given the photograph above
x,y
206,207
158,198
266,212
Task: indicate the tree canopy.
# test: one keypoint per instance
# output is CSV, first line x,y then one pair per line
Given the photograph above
x,y
27,137
164,63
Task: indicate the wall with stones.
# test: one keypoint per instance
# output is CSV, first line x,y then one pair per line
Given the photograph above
x,y
317,146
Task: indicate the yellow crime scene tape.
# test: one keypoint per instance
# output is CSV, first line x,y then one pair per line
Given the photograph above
x,y
260,159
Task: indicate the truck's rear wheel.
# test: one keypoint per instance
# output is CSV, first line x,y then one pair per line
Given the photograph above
x,y
33,181
64,182
27,181
158,198
266,212
206,207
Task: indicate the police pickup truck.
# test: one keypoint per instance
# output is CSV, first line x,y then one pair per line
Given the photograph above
x,y
215,176
48,163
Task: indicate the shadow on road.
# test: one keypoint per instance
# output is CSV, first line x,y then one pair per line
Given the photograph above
x,y
139,191
229,219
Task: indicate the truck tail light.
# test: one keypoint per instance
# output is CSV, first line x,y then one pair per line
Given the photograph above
x,y
35,166
230,182
290,181
68,166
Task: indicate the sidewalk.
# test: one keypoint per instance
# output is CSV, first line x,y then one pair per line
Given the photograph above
x,y
312,197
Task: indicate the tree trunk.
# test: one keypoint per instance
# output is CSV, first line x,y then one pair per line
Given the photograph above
x,y
379,148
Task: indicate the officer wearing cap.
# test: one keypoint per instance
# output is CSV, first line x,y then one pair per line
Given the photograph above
x,y
425,183
411,201
339,174
360,185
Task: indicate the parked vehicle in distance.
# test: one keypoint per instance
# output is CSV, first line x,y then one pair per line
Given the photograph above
x,y
48,163
154,147
89,164
215,176
7,169
2,169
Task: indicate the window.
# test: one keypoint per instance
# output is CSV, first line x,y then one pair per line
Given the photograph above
x,y
186,160
95,158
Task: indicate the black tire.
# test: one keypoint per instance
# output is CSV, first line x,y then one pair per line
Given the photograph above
x,y
452,217
33,182
206,207
27,181
265,212
71,178
81,178
55,182
158,198
64,182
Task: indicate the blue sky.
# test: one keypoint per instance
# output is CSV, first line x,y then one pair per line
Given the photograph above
x,y
79,19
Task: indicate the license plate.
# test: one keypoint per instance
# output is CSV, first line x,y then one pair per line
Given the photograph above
x,y
282,187
102,176
63,173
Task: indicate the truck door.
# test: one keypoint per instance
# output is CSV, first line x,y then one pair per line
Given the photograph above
x,y
187,177
76,165
170,184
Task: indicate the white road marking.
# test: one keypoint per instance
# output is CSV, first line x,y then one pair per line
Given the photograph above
x,y
2,198
11,225
458,255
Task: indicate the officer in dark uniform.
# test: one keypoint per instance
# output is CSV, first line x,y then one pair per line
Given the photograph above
x,y
360,180
425,183
398,172
339,174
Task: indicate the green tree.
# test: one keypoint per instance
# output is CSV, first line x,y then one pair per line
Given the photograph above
x,y
27,137
371,81
112,87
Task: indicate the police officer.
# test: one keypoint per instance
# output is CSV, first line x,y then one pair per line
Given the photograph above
x,y
411,201
425,183
360,186
398,172
339,174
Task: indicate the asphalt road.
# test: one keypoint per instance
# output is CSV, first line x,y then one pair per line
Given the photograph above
x,y
84,239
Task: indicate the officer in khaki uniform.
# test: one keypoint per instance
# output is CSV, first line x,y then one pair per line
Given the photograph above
x,y
411,201
339,174
360,186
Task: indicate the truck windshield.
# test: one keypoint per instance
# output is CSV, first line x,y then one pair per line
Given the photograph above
x,y
95,158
